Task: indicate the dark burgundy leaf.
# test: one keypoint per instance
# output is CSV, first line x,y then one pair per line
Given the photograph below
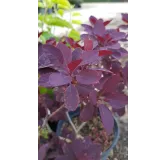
x,y
116,66
49,56
107,22
107,118
67,55
88,77
46,70
93,20
100,39
87,112
99,28
105,52
74,64
51,41
102,81
71,98
88,44
54,79
125,74
111,84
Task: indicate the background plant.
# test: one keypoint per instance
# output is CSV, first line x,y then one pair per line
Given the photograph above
x,y
48,22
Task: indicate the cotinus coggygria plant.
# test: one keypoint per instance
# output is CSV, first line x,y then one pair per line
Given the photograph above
x,y
87,77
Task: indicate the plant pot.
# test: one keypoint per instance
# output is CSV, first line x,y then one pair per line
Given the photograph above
x,y
105,154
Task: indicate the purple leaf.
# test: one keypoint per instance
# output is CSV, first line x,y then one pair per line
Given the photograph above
x,y
67,55
101,83
114,45
76,54
49,56
99,28
111,84
117,54
88,77
54,79
84,90
116,36
89,57
101,69
93,97
87,112
93,20
116,67
86,150
42,152
118,100
71,98
107,118
125,74
65,157
125,17
125,27
87,28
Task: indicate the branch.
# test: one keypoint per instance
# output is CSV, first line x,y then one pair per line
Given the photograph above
x,y
71,123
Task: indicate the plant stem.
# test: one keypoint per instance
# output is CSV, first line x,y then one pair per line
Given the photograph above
x,y
55,112
71,123
81,126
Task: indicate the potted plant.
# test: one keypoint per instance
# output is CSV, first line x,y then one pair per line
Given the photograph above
x,y
82,88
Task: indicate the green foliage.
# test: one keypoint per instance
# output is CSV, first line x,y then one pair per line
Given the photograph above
x,y
43,132
47,21
74,34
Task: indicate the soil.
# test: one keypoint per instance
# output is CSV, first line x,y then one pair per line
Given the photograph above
x,y
94,129
98,135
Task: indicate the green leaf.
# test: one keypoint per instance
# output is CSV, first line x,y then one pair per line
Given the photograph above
x,y
49,3
61,12
74,34
43,39
47,35
41,5
76,14
60,6
76,22
43,90
64,3
56,21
